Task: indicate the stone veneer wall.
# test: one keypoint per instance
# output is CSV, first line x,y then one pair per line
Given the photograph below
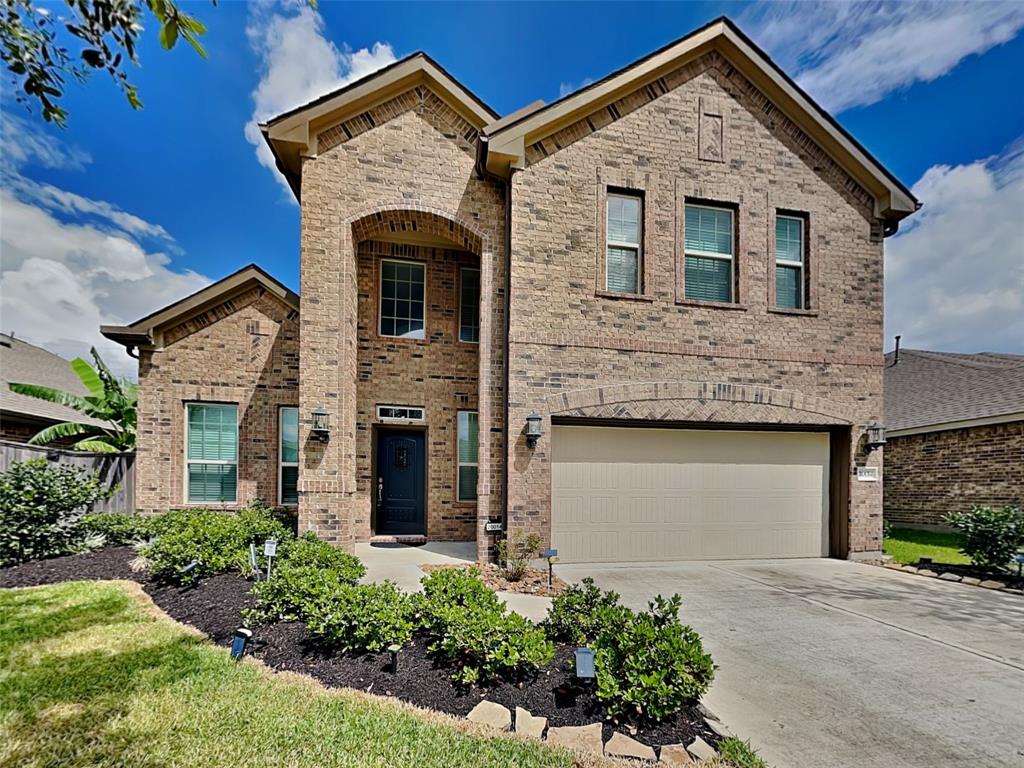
x,y
929,475
244,351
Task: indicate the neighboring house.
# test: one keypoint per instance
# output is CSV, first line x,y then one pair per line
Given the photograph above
x,y
677,270
22,416
955,433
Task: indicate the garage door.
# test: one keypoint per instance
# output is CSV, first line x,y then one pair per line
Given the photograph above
x,y
623,494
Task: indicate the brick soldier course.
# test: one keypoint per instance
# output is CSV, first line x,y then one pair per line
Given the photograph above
x,y
408,164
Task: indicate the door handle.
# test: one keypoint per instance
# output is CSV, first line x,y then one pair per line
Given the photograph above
x,y
380,489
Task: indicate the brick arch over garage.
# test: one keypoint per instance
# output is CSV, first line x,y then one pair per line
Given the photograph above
x,y
692,401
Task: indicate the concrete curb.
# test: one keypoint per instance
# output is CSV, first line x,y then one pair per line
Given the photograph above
x,y
956,578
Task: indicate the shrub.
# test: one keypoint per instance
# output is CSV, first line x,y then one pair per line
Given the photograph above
x,y
118,529
740,754
362,617
991,536
40,506
516,551
469,624
649,664
219,541
576,615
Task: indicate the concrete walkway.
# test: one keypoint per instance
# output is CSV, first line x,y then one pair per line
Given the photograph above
x,y
401,563
845,665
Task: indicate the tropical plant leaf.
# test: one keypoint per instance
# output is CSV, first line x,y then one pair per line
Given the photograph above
x,y
95,446
50,395
88,376
61,431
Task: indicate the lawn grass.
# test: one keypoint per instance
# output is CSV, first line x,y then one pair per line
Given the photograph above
x,y
908,545
90,675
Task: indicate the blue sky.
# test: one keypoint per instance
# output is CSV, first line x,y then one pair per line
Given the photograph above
x,y
125,211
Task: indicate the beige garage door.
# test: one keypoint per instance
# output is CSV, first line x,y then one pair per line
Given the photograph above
x,y
627,495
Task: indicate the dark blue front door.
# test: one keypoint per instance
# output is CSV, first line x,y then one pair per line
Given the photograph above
x,y
400,486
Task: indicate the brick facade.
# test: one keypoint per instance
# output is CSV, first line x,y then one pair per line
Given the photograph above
x,y
929,475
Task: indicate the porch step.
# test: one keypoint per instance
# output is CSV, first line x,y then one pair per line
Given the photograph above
x,y
410,540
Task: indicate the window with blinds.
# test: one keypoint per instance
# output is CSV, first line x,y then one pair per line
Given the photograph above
x,y
624,254
288,456
211,452
467,450
790,258
709,253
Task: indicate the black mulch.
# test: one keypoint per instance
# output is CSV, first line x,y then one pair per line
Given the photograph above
x,y
1009,578
215,604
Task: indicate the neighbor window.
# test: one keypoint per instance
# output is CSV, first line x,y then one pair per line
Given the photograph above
x,y
211,452
709,253
401,299
469,304
789,262
467,455
288,456
623,258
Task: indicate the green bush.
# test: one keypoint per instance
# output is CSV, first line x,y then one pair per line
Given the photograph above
x,y
576,615
740,754
219,541
118,529
649,664
516,551
991,536
40,508
468,624
362,617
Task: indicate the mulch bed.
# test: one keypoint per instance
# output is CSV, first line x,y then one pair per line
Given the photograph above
x,y
215,604
534,581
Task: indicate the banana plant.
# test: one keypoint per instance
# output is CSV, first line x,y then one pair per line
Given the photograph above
x,y
110,399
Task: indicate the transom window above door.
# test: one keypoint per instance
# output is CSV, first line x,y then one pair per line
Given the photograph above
x,y
402,287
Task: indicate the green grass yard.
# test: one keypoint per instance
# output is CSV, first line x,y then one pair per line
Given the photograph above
x,y
908,545
91,676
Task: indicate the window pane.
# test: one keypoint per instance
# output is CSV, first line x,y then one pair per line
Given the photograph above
x,y
708,229
789,245
212,433
289,434
467,483
623,219
469,305
788,293
401,303
467,437
708,279
289,485
623,272
212,482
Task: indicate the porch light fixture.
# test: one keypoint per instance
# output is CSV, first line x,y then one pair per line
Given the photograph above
x,y
239,642
321,424
533,432
875,436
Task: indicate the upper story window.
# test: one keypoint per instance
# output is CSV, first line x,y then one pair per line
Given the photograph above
x,y
402,285
623,265
709,253
790,262
211,452
288,456
469,305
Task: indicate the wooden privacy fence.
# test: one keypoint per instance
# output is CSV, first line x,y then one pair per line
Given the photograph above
x,y
115,469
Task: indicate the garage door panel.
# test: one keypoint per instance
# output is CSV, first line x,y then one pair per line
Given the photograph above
x,y
624,494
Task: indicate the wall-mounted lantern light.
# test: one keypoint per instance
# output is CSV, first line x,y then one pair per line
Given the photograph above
x,y
321,424
875,436
533,432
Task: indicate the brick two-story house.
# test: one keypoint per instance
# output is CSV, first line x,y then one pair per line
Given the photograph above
x,y
676,270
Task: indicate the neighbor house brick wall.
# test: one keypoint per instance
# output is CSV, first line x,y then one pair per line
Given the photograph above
x,y
244,352
929,475
567,336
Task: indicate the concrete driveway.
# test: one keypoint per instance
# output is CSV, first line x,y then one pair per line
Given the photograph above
x,y
828,664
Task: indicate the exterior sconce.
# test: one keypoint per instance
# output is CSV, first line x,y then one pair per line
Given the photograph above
x,y
875,433
533,432
321,424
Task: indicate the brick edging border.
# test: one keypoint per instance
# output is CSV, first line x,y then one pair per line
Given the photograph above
x,y
970,581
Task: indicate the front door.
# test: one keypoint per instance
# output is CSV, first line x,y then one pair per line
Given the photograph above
x,y
400,489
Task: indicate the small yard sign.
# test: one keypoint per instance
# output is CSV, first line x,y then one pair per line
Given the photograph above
x,y
270,547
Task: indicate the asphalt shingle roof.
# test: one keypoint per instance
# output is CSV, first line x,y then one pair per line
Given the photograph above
x,y
928,388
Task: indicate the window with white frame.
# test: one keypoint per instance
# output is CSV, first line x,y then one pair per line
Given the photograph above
x,y
211,452
790,261
402,285
623,260
709,253
467,451
469,305
288,456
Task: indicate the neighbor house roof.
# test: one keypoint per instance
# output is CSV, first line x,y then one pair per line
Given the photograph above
x,y
146,331
26,363
933,391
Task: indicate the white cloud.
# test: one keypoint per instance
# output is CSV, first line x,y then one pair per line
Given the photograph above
x,y
955,273
564,89
299,64
854,54
24,144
